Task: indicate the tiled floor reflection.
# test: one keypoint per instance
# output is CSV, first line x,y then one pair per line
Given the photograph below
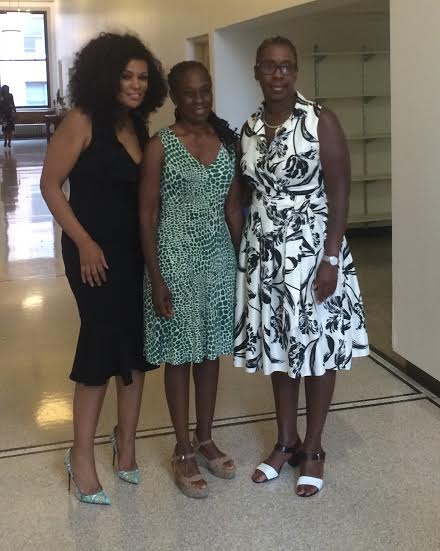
x,y
29,243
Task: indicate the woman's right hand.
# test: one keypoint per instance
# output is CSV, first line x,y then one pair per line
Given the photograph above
x,y
162,299
93,263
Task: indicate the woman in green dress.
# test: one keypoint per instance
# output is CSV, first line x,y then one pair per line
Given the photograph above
x,y
191,222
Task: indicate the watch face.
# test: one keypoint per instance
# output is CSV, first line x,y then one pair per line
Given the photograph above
x,y
333,261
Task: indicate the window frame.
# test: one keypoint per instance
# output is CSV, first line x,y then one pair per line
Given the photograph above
x,y
46,45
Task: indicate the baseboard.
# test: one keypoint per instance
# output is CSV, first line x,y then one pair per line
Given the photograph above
x,y
411,370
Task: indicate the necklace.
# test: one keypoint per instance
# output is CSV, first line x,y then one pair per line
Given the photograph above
x,y
273,127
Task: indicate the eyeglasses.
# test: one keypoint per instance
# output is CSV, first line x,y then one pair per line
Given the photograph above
x,y
269,67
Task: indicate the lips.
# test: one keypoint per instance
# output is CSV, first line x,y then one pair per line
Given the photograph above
x,y
277,89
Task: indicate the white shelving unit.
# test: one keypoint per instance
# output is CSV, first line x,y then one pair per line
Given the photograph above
x,y
355,85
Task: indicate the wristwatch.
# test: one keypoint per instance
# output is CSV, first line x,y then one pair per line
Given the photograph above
x,y
332,260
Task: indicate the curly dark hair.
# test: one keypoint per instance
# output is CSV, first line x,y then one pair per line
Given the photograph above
x,y
97,71
276,41
227,136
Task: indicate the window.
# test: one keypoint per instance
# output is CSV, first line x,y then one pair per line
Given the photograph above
x,y
23,57
36,93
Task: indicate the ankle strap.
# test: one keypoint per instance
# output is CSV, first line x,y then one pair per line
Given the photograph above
x,y
183,456
288,449
198,443
313,456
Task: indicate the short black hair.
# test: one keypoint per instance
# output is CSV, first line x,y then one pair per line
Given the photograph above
x,y
276,41
97,70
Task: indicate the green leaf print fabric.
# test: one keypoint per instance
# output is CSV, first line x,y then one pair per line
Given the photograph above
x,y
196,259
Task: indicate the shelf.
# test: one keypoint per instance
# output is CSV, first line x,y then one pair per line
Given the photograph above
x,y
368,137
365,218
370,177
347,53
367,97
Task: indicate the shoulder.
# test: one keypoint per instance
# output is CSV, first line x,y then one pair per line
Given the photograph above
x,y
328,121
76,127
154,147
77,120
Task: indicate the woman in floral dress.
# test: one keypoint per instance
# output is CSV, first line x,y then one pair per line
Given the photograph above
x,y
299,311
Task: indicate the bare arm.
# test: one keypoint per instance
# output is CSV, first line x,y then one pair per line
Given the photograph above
x,y
70,139
335,161
149,210
234,212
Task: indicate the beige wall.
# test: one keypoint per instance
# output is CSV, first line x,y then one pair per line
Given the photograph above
x,y
163,24
415,81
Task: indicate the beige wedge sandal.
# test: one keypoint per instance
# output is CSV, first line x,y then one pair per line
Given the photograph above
x,y
186,483
216,466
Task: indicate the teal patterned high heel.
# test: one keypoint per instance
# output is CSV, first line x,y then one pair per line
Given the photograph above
x,y
133,476
100,498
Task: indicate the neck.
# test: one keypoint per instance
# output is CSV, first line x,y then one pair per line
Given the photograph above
x,y
195,128
277,110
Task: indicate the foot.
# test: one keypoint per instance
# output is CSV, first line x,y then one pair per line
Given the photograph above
x,y
84,472
313,468
276,460
126,451
188,468
210,451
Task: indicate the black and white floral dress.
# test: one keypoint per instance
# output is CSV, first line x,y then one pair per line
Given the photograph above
x,y
279,326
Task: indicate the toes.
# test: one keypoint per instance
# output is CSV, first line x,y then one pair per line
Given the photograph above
x,y
305,491
258,476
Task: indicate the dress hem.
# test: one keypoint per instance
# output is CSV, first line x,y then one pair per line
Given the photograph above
x,y
242,365
101,382
186,360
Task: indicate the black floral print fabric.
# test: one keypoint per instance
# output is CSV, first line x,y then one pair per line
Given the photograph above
x,y
278,324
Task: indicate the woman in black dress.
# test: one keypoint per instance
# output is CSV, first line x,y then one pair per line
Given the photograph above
x,y
116,84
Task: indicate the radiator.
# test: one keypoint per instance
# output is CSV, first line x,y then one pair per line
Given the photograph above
x,y
30,131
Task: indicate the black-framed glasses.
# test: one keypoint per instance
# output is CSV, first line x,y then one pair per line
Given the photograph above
x,y
269,67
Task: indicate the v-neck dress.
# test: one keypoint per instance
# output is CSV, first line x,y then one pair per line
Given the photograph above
x,y
196,259
103,196
279,325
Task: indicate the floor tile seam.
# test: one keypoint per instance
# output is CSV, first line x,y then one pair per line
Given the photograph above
x,y
167,431
99,437
388,366
32,278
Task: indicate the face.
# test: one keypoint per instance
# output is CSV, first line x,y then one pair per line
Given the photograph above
x,y
276,71
193,98
133,83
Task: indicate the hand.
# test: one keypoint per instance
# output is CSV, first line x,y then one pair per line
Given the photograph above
x,y
325,282
93,263
162,299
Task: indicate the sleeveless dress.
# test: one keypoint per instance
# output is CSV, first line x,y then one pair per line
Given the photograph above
x,y
196,259
279,326
103,196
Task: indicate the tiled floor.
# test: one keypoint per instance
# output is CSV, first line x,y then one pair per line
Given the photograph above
x,y
382,488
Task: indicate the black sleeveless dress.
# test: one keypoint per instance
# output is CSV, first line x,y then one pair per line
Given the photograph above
x,y
103,196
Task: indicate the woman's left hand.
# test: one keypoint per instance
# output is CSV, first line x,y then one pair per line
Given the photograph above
x,y
325,282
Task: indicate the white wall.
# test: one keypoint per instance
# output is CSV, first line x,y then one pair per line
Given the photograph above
x,y
415,81
234,53
165,25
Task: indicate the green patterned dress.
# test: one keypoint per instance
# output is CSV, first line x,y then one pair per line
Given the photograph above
x,y
196,259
